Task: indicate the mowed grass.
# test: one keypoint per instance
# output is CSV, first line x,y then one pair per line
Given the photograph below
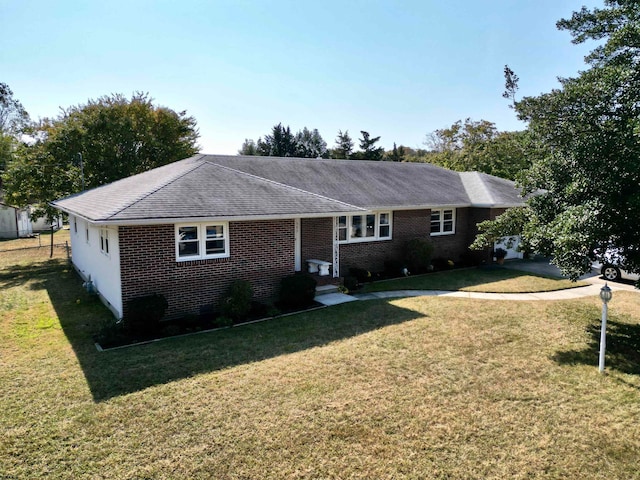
x,y
42,240
495,280
27,251
411,388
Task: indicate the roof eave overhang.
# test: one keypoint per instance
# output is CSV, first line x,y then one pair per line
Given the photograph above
x,y
221,218
379,208
497,205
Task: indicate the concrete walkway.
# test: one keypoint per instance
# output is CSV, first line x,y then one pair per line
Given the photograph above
x,y
578,292
537,267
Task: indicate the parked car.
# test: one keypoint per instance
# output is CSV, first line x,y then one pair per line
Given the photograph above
x,y
612,267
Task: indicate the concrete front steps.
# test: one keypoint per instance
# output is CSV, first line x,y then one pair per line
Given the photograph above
x,y
325,289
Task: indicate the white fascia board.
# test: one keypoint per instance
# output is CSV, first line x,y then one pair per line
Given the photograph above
x,y
71,212
418,207
497,205
163,221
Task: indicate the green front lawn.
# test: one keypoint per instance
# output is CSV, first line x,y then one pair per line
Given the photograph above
x,y
495,280
410,388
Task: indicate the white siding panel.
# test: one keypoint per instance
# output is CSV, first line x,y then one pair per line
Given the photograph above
x,y
103,269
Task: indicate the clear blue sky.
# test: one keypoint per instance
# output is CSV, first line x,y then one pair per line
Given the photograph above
x,y
398,70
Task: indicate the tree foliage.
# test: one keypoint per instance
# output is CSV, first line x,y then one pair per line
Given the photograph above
x,y
591,125
13,117
479,146
249,147
510,85
282,143
116,137
397,154
368,149
14,120
310,144
344,146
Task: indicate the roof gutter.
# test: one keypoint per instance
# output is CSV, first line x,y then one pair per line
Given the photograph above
x,y
242,218
221,218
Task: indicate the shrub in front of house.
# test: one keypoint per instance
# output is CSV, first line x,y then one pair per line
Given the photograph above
x,y
393,267
143,314
236,303
500,254
350,283
297,291
417,255
362,275
441,263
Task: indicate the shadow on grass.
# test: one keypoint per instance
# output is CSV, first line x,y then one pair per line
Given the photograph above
x,y
119,372
622,350
15,275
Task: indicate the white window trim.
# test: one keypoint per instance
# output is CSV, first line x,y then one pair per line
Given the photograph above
x,y
104,241
201,226
376,237
453,220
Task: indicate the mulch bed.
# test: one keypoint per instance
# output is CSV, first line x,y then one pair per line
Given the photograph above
x,y
116,336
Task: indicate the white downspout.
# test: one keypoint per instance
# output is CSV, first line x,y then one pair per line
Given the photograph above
x,y
336,248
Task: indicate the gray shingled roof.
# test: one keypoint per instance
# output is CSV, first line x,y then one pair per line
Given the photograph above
x,y
222,186
488,191
368,184
194,188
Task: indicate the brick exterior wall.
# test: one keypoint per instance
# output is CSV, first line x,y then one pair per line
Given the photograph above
x,y
317,239
408,224
372,255
263,253
260,252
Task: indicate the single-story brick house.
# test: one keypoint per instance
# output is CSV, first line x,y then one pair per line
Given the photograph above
x,y
188,229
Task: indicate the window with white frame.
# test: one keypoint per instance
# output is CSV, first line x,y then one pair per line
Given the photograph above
x,y
202,240
443,221
362,228
75,225
86,233
104,241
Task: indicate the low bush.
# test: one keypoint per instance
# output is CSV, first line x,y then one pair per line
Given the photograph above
x,y
362,275
471,259
500,253
222,321
393,268
143,314
297,291
417,255
236,304
350,283
440,263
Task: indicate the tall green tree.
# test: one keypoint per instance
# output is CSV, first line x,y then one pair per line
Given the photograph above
x,y
368,149
249,147
14,120
117,137
310,144
397,154
344,146
591,125
281,143
13,117
479,146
